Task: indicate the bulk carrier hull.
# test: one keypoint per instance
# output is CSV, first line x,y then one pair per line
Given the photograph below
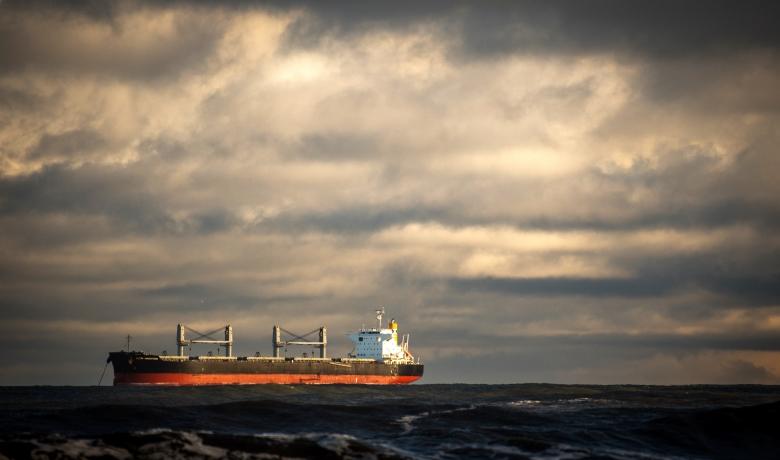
x,y
135,368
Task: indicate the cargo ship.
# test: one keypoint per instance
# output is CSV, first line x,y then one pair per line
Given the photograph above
x,y
380,356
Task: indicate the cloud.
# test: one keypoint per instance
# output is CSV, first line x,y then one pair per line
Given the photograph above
x,y
116,194
115,39
67,144
634,28
741,371
335,146
567,286
14,100
585,191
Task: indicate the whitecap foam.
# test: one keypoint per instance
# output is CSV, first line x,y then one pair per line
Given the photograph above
x,y
77,448
407,421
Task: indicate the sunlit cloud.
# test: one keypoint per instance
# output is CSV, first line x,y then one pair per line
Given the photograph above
x,y
543,183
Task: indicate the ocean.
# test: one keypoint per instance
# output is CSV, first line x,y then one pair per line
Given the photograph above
x,y
524,421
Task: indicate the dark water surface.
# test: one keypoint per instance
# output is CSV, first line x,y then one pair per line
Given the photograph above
x,y
418,421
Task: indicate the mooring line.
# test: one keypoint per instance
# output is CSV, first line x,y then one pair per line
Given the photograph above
x,y
104,373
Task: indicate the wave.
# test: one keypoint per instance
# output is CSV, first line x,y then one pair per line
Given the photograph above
x,y
741,432
164,443
537,422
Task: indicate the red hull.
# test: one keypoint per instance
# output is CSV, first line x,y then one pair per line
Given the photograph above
x,y
253,379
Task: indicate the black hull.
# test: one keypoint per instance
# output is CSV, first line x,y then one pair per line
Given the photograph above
x,y
140,368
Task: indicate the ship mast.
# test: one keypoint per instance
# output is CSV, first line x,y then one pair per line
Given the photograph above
x,y
379,314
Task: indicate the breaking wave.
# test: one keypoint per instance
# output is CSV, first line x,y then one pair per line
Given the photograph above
x,y
164,443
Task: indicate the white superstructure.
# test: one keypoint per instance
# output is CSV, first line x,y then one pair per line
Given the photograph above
x,y
381,344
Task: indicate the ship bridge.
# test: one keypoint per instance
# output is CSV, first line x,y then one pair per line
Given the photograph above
x,y
381,344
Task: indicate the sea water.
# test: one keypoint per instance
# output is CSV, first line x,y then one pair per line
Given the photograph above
x,y
524,421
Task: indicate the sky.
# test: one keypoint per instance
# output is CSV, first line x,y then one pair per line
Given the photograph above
x,y
572,192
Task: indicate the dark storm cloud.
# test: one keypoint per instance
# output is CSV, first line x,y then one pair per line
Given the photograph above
x,y
669,29
94,9
356,220
597,287
91,190
336,146
746,274
657,29
127,197
691,189
747,340
48,231
213,221
693,195
16,101
363,219
74,297
746,287
208,296
33,305
210,160
169,150
678,45
741,371
647,358
744,83
190,291
80,142
564,365
761,289
704,215
200,296
59,38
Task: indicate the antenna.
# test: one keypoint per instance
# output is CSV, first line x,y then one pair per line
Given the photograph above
x,y
379,314
128,342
